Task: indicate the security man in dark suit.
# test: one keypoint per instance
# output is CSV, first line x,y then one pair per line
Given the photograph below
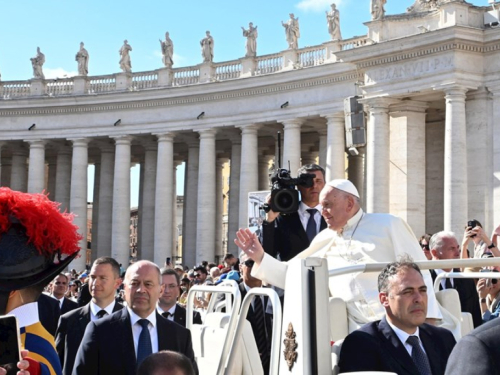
x,y
286,235
103,281
478,352
444,245
117,344
257,316
167,303
49,312
401,342
60,287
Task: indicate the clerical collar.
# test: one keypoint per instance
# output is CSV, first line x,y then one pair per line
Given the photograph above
x,y
353,220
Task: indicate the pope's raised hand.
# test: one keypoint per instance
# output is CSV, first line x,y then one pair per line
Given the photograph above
x,y
249,243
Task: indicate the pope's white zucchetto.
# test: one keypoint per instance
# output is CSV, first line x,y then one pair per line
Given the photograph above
x,y
344,185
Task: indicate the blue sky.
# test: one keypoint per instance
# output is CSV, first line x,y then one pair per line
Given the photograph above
x,y
58,26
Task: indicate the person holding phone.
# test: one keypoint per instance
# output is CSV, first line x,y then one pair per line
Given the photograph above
x,y
37,242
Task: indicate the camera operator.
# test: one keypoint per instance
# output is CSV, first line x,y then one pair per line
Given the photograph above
x,y
483,246
283,236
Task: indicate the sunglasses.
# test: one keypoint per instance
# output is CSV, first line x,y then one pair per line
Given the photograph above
x,y
425,246
249,263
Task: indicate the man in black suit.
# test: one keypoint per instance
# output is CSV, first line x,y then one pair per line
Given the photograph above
x,y
257,316
478,352
167,303
401,342
104,280
49,312
59,288
444,245
286,235
118,343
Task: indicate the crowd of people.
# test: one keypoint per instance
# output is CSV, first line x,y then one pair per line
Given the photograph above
x,y
111,320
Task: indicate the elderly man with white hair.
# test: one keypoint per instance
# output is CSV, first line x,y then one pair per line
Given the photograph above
x,y
352,237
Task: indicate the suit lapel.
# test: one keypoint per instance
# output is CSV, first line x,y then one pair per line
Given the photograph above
x,y
84,318
126,337
180,315
433,354
166,337
296,226
395,348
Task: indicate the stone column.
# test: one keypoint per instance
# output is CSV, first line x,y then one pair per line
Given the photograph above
x,y
291,145
234,194
19,175
323,147
63,177
480,159
120,232
95,210
263,171
148,201
455,160
78,196
51,183
356,173
163,199
219,208
377,156
175,223
36,171
105,218
335,149
6,171
249,173
190,205
140,212
496,152
407,166
1,175
205,225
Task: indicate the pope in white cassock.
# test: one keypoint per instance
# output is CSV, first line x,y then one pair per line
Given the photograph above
x,y
352,237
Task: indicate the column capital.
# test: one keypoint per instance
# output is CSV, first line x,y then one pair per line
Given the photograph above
x,y
455,91
379,104
409,106
207,133
165,137
250,129
123,139
295,123
334,116
79,142
480,93
36,143
235,139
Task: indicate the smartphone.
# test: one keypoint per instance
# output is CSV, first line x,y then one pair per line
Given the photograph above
x,y
10,343
168,261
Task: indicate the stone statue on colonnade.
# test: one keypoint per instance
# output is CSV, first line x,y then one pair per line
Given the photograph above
x,y
125,63
37,64
82,57
167,50
377,9
292,31
207,48
251,35
333,22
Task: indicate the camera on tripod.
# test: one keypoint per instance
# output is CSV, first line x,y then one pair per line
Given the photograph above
x,y
284,195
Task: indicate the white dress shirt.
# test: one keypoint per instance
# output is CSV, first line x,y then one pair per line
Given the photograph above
x,y
304,215
403,337
94,309
137,328
171,311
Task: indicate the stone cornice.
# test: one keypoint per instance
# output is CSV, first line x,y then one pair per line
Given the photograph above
x,y
135,102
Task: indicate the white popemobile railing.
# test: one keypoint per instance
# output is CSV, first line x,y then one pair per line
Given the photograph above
x,y
183,76
305,321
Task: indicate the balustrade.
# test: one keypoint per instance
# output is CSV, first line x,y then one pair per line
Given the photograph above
x,y
312,56
102,84
227,70
144,80
355,42
59,87
269,64
15,89
186,76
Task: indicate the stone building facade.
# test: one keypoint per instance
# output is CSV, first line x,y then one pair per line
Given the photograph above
x,y
430,86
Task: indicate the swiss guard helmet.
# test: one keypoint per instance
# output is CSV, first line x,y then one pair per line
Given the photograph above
x,y
37,241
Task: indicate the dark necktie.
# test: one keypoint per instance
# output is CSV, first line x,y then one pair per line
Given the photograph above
x,y
144,347
101,313
418,356
166,314
448,284
260,332
311,224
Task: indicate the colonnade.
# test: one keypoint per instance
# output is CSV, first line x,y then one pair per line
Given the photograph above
x,y
393,173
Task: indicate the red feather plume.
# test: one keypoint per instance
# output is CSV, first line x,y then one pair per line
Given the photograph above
x,y
48,229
